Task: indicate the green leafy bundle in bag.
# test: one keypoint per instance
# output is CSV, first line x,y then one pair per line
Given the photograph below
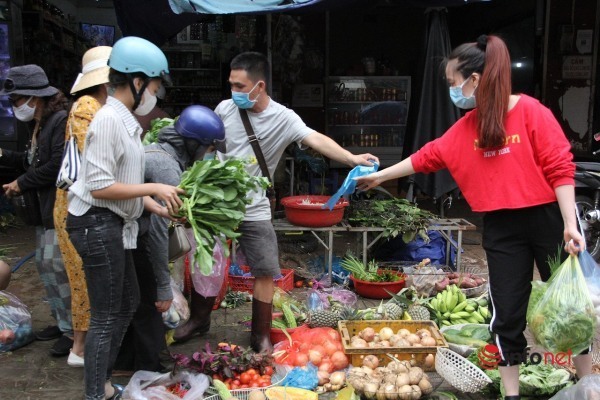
x,y
564,318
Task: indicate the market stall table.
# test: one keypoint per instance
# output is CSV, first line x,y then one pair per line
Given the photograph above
x,y
444,225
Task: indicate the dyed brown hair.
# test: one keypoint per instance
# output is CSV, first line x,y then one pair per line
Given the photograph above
x,y
490,58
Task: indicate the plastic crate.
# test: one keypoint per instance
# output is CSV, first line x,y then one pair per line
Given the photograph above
x,y
416,355
246,283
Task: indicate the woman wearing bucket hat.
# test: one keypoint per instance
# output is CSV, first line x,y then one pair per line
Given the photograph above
x,y
42,108
108,198
91,93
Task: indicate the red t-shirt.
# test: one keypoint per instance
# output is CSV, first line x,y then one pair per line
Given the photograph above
x,y
535,160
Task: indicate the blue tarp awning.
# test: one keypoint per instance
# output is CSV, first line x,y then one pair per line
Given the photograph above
x,y
237,6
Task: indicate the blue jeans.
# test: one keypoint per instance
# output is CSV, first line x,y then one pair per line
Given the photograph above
x,y
112,289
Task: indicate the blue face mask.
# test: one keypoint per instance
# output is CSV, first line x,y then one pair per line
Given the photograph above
x,y
459,99
242,99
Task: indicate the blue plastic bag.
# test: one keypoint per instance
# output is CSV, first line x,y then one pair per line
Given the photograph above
x,y
302,377
349,185
417,250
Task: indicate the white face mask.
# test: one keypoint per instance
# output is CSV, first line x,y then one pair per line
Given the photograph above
x,y
147,104
24,112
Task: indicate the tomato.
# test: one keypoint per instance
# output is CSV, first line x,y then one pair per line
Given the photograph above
x,y
245,378
234,386
236,375
264,384
255,377
299,284
244,386
268,370
217,376
254,385
265,377
236,382
251,371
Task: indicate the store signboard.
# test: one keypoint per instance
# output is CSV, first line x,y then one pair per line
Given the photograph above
x,y
577,67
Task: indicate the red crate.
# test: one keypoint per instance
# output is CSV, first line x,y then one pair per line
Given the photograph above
x,y
246,283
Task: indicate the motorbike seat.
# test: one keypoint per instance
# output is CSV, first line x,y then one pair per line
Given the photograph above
x,y
588,166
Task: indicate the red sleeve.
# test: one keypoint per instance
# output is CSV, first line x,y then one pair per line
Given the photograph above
x,y
551,147
428,158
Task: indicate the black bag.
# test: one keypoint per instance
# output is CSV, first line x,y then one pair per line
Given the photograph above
x,y
27,207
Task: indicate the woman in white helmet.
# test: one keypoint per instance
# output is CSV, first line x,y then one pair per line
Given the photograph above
x,y
106,201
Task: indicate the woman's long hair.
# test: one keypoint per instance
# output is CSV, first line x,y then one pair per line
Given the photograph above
x,y
489,57
53,104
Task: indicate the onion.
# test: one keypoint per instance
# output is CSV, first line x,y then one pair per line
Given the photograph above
x,y
359,343
339,361
371,361
429,361
412,338
394,339
390,392
368,334
403,332
415,375
337,378
416,394
428,341
425,385
315,357
423,332
402,379
323,377
385,333
405,392
370,389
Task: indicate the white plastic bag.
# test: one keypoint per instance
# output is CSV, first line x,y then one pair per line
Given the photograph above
x,y
179,312
588,388
15,323
146,385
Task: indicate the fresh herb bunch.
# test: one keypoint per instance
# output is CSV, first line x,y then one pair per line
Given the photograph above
x,y
225,360
155,126
395,216
215,202
368,273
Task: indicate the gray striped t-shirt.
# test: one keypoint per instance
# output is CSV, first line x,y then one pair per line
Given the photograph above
x,y
113,153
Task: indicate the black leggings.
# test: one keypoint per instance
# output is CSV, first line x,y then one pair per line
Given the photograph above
x,y
513,240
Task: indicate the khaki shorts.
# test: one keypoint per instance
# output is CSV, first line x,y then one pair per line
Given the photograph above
x,y
259,244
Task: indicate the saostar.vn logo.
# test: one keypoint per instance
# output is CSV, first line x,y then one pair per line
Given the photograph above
x,y
489,357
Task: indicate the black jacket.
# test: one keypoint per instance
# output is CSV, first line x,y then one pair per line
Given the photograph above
x,y
42,173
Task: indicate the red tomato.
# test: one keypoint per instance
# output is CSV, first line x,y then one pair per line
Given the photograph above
x,y
264,384
244,386
255,377
251,371
234,386
236,382
254,385
245,378
299,284
268,370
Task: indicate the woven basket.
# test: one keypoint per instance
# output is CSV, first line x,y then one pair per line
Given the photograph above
x,y
460,372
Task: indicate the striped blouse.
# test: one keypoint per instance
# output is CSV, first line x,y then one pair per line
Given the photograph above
x,y
113,153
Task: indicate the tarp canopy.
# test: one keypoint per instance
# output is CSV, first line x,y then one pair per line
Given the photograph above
x,y
237,6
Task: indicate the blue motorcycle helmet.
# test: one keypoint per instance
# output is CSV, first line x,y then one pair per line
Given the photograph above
x,y
201,124
133,54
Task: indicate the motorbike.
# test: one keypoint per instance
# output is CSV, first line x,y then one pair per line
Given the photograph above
x,y
587,199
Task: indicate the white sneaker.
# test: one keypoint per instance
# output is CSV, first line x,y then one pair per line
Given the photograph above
x,y
74,360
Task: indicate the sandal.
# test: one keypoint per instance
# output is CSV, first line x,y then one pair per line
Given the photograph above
x,y
118,394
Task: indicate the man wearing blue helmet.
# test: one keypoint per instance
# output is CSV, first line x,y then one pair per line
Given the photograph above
x,y
197,130
106,201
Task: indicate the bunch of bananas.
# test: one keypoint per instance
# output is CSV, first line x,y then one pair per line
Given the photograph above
x,y
452,307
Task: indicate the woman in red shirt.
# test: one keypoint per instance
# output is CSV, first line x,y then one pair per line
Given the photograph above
x,y
511,160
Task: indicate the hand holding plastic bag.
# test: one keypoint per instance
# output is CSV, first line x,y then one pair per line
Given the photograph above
x,y
179,312
349,184
564,319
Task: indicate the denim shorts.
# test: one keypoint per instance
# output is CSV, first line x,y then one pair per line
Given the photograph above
x,y
259,244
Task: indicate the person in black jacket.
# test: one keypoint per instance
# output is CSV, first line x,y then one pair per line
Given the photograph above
x,y
43,109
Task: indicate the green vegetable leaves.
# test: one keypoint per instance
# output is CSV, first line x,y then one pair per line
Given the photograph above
x,y
155,126
215,202
396,216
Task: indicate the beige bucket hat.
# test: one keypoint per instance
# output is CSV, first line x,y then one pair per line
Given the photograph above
x,y
95,68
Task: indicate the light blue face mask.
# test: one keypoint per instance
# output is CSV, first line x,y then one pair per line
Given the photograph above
x,y
459,99
242,99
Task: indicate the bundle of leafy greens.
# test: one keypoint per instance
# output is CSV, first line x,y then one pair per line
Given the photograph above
x,y
397,217
534,379
369,272
539,287
564,319
155,126
215,202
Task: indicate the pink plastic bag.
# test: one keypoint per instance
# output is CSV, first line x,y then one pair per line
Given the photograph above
x,y
209,285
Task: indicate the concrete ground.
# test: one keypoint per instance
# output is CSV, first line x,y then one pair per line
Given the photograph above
x,y
31,373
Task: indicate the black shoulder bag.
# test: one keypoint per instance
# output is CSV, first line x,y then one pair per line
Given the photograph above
x,y
271,195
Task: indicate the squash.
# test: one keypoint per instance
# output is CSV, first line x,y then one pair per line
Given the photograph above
x,y
290,393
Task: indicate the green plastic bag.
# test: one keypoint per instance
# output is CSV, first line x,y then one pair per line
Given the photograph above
x,y
564,319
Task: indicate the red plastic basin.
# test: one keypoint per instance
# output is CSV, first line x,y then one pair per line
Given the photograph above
x,y
377,290
307,211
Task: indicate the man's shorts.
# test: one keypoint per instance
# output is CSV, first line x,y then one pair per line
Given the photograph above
x,y
259,244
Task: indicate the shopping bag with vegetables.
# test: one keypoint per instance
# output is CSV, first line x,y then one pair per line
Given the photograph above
x,y
591,272
564,319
